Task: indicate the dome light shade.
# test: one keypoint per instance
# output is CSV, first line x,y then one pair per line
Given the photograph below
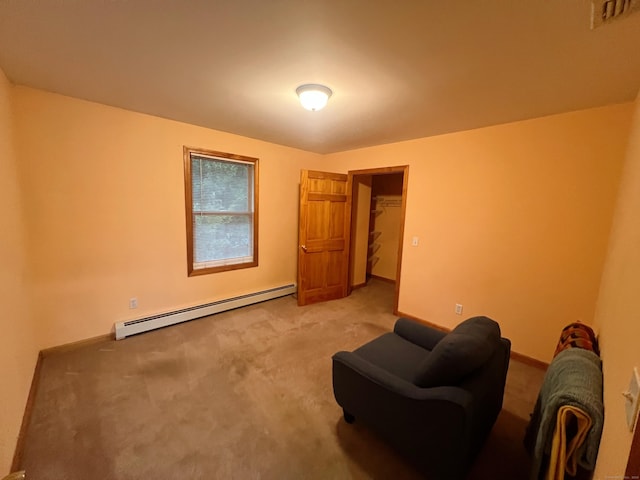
x,y
313,97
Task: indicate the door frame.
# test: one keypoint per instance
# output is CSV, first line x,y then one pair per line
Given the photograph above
x,y
352,174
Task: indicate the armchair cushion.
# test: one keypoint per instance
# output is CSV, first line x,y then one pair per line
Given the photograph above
x,y
459,353
396,355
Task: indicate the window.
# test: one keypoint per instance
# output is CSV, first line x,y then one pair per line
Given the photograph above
x,y
221,192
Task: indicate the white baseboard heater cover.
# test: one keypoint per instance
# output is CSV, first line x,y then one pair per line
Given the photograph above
x,y
133,327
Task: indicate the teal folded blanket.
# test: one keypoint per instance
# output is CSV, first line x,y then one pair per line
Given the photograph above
x,y
574,378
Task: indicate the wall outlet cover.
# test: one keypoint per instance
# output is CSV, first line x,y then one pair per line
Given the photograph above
x,y
631,396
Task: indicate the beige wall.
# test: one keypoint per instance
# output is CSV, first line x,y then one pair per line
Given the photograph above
x,y
513,220
107,217
617,312
18,347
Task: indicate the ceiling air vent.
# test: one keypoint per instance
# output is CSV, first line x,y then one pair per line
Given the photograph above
x,y
606,11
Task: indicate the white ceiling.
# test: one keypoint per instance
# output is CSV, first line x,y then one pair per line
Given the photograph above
x,y
399,69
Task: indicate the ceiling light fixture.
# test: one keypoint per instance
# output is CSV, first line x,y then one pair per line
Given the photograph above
x,y
313,97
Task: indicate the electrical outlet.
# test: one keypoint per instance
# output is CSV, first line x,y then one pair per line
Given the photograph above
x,y
458,309
133,303
415,241
604,12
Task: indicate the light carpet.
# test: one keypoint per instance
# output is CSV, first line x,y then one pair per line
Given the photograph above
x,y
244,394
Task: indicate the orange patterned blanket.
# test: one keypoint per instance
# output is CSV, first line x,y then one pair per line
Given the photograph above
x,y
577,335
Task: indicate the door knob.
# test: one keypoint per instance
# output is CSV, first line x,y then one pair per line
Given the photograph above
x,y
304,248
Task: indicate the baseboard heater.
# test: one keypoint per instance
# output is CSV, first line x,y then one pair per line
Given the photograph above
x,y
133,327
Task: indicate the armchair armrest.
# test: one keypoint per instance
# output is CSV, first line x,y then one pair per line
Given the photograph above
x,y
421,335
397,385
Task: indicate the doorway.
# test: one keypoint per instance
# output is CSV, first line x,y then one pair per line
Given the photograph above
x,y
377,226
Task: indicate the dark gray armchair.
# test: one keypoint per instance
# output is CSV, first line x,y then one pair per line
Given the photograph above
x,y
433,396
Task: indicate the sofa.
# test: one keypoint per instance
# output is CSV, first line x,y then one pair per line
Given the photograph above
x,y
431,395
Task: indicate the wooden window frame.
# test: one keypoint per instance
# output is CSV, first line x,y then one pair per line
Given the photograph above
x,y
187,153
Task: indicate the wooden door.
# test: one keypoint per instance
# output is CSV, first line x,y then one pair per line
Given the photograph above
x,y
323,249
